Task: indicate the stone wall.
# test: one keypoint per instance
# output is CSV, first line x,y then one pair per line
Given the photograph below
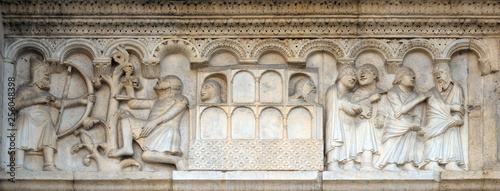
x,y
252,95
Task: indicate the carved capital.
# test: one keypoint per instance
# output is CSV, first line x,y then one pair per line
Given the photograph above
x,y
485,66
150,69
102,67
393,65
343,62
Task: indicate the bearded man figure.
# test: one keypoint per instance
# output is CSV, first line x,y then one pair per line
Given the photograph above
x,y
444,117
36,130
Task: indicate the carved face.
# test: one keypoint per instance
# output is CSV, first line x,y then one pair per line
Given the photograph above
x,y
136,83
366,77
308,89
349,79
120,58
42,78
442,79
408,80
207,92
161,85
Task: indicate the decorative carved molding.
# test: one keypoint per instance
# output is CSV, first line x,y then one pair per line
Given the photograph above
x,y
370,44
256,155
419,44
321,45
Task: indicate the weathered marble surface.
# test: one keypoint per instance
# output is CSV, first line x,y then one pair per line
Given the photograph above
x,y
190,97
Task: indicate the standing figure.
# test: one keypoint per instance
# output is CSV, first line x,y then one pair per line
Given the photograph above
x,y
337,110
159,135
367,96
211,92
444,117
403,121
36,130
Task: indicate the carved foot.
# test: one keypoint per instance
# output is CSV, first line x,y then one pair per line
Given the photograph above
x,y
392,167
182,164
453,166
349,166
334,167
50,167
433,166
409,167
115,153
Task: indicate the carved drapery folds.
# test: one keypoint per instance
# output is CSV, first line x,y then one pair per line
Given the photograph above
x,y
240,103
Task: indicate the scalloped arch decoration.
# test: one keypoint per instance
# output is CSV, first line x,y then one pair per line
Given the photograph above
x,y
167,47
321,45
421,44
224,44
271,45
371,44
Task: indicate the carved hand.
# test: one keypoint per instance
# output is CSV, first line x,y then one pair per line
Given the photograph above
x,y
398,113
44,100
357,108
374,98
149,127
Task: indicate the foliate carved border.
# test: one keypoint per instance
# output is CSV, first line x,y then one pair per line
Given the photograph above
x,y
256,154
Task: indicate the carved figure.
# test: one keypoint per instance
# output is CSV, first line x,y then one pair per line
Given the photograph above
x,y
34,124
367,96
337,110
211,92
403,120
444,117
304,91
159,135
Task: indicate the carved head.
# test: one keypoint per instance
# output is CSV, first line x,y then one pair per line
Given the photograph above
x,y
304,89
347,76
442,76
169,82
211,92
129,69
40,73
136,82
405,76
367,74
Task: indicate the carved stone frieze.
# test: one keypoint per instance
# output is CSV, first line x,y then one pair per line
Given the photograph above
x,y
256,155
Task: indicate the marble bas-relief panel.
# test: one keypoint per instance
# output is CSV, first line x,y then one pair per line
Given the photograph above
x,y
373,106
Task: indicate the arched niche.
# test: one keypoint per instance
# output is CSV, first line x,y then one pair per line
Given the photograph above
x,y
213,124
222,81
243,124
271,124
243,87
299,124
378,60
223,58
272,57
422,64
271,87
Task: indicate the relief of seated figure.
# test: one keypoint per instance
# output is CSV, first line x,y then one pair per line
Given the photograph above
x,y
159,135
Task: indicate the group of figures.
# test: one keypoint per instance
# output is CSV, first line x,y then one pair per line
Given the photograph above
x,y
356,107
